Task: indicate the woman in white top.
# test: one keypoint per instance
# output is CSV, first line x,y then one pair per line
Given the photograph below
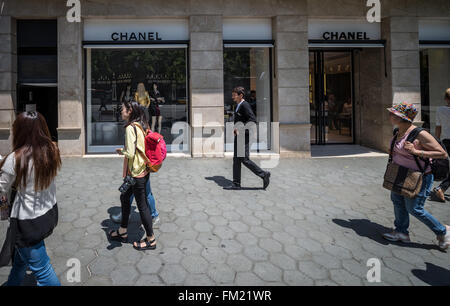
x,y
443,133
31,169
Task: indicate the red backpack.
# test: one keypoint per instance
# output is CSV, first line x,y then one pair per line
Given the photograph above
x,y
155,149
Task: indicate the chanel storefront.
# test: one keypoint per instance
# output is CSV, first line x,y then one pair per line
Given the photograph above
x,y
120,55
315,73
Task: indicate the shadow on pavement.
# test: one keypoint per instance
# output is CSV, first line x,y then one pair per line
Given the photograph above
x,y
29,280
135,231
219,180
224,182
433,275
371,230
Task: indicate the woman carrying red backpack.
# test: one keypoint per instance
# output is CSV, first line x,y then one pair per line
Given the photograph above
x,y
137,172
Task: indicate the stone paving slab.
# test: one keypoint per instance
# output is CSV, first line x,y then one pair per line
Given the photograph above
x,y
318,223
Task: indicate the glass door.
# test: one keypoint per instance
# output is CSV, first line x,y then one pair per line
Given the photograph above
x,y
331,102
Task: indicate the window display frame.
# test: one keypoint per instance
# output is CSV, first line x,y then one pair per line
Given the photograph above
x,y
428,110
96,45
270,44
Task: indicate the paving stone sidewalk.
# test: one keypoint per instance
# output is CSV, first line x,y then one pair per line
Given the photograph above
x,y
318,223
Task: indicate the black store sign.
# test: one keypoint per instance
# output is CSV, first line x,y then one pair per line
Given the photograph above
x,y
141,36
345,36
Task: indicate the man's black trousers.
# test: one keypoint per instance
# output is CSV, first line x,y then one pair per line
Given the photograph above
x,y
244,160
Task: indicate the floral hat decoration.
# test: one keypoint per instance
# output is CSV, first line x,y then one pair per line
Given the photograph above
x,y
405,111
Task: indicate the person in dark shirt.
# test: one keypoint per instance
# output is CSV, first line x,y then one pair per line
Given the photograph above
x,y
244,114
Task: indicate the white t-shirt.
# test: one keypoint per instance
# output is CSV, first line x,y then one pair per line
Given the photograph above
x,y
443,120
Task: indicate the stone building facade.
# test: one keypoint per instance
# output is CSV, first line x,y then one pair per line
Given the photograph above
x,y
282,56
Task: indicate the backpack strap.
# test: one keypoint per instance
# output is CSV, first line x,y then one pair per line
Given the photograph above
x,y
414,133
135,143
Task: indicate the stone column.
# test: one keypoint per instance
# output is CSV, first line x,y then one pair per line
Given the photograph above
x,y
291,85
8,80
368,102
70,88
403,62
206,85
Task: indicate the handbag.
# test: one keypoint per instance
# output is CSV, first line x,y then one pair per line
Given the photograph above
x,y
6,205
402,180
7,251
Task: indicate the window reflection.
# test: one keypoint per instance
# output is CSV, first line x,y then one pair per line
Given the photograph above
x,y
156,78
249,68
434,81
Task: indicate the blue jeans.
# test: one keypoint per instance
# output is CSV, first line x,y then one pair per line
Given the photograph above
x,y
36,259
404,206
150,199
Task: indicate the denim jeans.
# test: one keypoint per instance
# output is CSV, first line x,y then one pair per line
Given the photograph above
x,y
36,259
150,199
404,206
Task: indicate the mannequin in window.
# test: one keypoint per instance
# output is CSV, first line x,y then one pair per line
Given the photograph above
x,y
156,98
126,94
143,98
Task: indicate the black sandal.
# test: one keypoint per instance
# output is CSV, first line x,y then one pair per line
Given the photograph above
x,y
148,245
119,237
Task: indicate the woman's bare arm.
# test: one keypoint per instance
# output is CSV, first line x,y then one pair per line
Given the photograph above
x,y
431,148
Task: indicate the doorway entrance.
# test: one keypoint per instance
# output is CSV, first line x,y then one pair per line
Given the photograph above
x,y
43,99
331,97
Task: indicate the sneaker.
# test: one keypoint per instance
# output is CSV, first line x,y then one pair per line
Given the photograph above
x,y
156,222
444,240
395,236
438,195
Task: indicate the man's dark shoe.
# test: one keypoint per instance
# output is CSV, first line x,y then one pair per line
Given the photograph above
x,y
233,187
266,179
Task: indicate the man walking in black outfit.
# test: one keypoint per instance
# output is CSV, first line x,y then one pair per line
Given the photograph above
x,y
244,114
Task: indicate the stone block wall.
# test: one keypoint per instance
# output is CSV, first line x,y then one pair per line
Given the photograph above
x,y
291,71
206,85
403,80
70,88
8,80
291,84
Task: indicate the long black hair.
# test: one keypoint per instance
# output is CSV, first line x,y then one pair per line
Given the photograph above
x,y
137,114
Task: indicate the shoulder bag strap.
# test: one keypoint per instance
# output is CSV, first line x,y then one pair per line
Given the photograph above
x,y
411,137
391,152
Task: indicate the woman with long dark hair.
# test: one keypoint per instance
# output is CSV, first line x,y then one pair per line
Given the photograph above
x,y
31,169
136,123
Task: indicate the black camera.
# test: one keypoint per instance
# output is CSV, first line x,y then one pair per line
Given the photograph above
x,y
128,181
